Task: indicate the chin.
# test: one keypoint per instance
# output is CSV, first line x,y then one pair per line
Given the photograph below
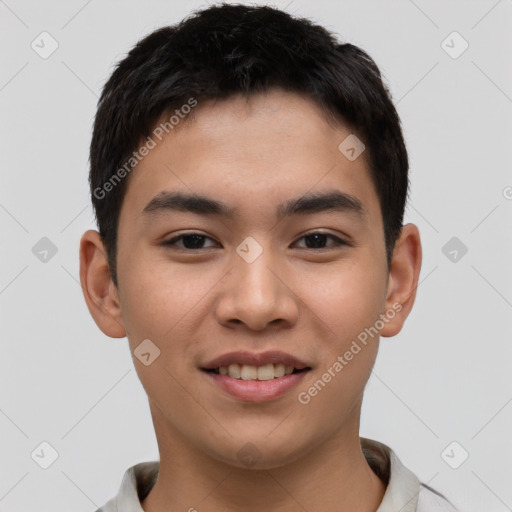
x,y
259,452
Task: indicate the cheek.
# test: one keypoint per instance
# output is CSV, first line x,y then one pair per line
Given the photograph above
x,y
167,303
346,299
156,305
156,294
145,304
348,304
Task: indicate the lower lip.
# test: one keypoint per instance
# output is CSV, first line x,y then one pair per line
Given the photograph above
x,y
257,390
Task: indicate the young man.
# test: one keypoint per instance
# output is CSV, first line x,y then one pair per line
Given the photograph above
x,y
249,178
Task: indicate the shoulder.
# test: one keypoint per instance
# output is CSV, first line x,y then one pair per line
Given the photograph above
x,y
135,486
404,491
110,506
430,500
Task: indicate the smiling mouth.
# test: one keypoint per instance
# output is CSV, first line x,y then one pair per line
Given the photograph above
x,y
249,372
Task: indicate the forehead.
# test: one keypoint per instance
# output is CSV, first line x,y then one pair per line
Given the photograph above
x,y
252,152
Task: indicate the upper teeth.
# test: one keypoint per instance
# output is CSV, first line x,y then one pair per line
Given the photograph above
x,y
249,372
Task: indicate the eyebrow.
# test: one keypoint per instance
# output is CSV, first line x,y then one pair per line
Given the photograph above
x,y
329,201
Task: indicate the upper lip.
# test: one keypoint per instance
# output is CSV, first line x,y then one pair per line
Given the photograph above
x,y
255,359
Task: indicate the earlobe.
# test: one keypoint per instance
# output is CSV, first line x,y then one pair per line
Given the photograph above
x,y
403,280
99,291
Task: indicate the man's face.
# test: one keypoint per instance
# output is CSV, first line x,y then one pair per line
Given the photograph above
x,y
304,284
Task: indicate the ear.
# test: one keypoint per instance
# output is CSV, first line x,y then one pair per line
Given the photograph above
x,y
99,291
403,280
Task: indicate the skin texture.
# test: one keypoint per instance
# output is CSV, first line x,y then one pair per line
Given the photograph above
x,y
197,304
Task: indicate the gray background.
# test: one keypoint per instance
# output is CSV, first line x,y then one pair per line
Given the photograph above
x,y
444,378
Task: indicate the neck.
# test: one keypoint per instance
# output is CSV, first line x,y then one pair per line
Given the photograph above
x,y
333,476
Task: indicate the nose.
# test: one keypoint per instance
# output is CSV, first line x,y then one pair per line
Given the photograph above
x,y
257,294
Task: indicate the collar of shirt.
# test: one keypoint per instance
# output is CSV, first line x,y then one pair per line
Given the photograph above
x,y
404,492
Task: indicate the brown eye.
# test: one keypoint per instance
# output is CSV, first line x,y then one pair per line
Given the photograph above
x,y
190,241
318,240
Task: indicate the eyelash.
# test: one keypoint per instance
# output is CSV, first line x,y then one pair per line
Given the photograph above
x,y
339,241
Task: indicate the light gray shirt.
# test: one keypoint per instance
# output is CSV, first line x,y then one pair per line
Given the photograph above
x,y
404,492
